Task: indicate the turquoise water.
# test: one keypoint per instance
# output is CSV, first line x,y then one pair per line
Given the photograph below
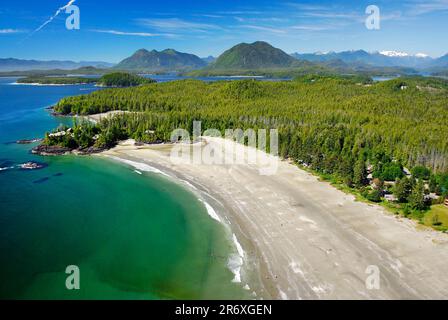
x,y
132,236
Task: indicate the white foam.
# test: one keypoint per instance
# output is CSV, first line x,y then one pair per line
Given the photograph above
x,y
283,295
236,260
238,246
189,184
211,212
141,166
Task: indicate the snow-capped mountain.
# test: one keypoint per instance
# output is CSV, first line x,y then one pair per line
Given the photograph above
x,y
401,54
394,54
385,58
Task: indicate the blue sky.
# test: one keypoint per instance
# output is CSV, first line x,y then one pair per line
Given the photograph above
x,y
112,30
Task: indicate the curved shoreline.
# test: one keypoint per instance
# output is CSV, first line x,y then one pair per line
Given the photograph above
x,y
245,267
308,239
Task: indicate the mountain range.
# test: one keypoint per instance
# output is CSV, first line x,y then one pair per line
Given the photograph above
x,y
250,57
11,64
166,60
377,59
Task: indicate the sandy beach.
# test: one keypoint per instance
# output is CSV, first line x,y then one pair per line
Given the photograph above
x,y
95,118
303,238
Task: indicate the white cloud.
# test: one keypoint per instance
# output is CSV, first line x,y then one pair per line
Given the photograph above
x,y
312,27
10,31
309,7
247,12
215,16
175,24
136,34
397,15
424,7
273,19
333,15
265,29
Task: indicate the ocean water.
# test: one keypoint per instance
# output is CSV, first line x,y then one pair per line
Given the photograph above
x,y
132,236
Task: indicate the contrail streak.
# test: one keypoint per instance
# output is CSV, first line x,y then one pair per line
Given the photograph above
x,y
51,18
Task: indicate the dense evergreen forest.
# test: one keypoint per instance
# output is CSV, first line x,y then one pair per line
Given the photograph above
x,y
56,80
122,79
318,117
305,68
346,127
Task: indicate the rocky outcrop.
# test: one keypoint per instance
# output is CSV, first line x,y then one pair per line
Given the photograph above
x,y
32,166
45,150
89,150
26,141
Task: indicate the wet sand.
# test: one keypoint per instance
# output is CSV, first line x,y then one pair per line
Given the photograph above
x,y
307,239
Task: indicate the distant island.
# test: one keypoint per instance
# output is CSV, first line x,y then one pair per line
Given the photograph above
x,y
122,79
56,72
116,79
56,80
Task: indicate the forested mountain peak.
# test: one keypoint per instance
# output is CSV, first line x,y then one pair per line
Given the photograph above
x,y
166,60
256,55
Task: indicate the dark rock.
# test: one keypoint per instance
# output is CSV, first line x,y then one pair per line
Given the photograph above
x,y
32,166
26,141
44,150
90,150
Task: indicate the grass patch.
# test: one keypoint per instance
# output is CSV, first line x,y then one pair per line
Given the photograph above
x,y
437,217
425,218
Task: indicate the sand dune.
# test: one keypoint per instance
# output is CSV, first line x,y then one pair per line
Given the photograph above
x,y
306,240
